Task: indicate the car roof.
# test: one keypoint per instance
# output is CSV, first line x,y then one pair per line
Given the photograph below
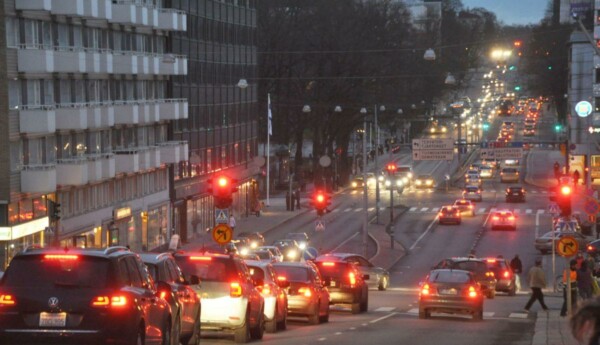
x,y
153,258
335,256
450,270
114,251
463,259
292,264
261,264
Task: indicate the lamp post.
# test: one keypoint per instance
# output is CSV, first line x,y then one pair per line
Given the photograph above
x,y
377,199
338,110
363,111
306,110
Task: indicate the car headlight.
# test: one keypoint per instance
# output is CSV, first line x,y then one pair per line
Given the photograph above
x,y
291,254
354,184
444,129
302,245
244,251
371,180
388,183
429,182
433,130
399,183
405,180
380,178
410,175
419,182
253,245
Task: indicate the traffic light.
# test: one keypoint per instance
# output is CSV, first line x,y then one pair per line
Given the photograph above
x,y
321,200
222,187
549,67
54,210
518,43
512,68
391,168
518,88
563,199
557,127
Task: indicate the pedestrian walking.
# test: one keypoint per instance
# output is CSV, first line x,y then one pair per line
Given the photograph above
x,y
584,281
537,281
572,272
297,197
557,171
585,323
576,177
517,267
232,222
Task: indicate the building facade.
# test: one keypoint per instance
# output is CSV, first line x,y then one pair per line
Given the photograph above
x,y
222,125
84,87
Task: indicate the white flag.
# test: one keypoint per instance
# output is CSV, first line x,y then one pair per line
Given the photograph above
x,y
269,115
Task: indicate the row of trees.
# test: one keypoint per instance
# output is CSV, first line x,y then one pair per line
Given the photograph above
x,y
356,54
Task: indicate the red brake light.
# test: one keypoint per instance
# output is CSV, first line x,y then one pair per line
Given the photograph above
x,y
329,264
163,294
352,278
495,218
472,292
305,291
425,290
511,218
265,290
105,301
491,261
200,258
489,274
281,278
61,257
590,248
470,206
506,274
7,300
235,289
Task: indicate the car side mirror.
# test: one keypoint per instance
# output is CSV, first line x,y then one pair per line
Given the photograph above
x,y
194,280
163,289
366,277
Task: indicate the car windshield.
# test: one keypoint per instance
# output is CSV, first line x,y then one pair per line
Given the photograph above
x,y
449,277
448,210
210,269
75,271
262,254
292,273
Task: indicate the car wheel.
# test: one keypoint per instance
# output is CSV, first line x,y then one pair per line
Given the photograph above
x,y
325,318
364,304
271,326
194,339
282,325
383,283
478,315
242,334
166,338
258,331
424,314
315,317
176,332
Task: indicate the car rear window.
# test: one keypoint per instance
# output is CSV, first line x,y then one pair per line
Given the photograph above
x,y
78,271
263,254
332,269
211,269
403,169
293,273
256,272
509,170
476,267
462,203
472,189
496,265
449,277
448,210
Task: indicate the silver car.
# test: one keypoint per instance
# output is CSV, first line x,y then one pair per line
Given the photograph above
x,y
544,242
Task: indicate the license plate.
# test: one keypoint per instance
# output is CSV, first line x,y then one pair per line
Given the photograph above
x,y
448,292
516,193
53,319
332,284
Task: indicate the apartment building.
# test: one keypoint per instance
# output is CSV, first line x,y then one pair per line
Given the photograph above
x,y
221,129
85,122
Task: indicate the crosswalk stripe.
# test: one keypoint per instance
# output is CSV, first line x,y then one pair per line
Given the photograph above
x,y
493,209
540,211
413,311
382,209
435,209
488,314
336,210
385,309
528,211
533,191
348,209
517,211
518,315
412,209
358,209
424,209
482,210
371,209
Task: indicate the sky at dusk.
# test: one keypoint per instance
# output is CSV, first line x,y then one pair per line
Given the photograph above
x,y
512,11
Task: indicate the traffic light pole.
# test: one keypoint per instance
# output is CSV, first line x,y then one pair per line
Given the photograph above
x,y
392,215
365,192
376,169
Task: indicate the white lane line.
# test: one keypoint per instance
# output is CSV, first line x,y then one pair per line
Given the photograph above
x,y
424,233
383,318
533,191
358,209
481,210
488,216
528,211
346,241
352,328
338,333
537,225
385,309
371,209
413,311
336,210
488,314
435,209
424,209
348,209
518,315
412,209
540,211
321,339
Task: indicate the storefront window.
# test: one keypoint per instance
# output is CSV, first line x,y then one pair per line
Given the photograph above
x,y
13,214
25,210
157,227
40,207
134,232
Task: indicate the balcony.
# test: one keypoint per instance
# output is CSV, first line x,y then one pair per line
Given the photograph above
x,y
72,116
149,158
127,161
101,167
39,178
47,59
171,64
173,109
126,12
101,115
149,112
127,113
37,119
172,152
72,171
169,19
33,5
98,61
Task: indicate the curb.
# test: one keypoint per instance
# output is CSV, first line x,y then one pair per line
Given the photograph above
x,y
377,245
397,242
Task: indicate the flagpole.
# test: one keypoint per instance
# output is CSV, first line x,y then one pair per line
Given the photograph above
x,y
268,151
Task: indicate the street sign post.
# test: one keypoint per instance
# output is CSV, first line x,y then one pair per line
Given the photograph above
x,y
222,234
509,150
553,209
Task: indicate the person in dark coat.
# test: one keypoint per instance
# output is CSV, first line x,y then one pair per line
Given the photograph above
x,y
297,197
584,281
516,265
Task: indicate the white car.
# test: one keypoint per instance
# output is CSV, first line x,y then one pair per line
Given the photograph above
x,y
274,293
486,172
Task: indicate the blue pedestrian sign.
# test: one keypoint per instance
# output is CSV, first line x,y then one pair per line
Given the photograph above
x,y
221,216
553,209
310,253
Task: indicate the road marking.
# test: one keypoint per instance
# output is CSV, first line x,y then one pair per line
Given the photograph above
x,y
348,209
371,209
383,318
544,192
518,315
424,209
528,211
533,191
385,309
517,211
338,333
352,328
424,233
346,241
321,339
336,210
537,224
413,209
413,311
488,216
358,209
540,211
488,314
481,210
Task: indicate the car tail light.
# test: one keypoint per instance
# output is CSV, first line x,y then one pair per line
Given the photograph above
x,y
590,248
471,206
305,291
491,261
425,290
506,274
265,290
495,218
281,278
329,264
105,301
511,218
61,257
458,213
235,289
200,258
7,300
352,278
472,292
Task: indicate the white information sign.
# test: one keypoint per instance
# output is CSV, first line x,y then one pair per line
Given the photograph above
x,y
433,144
433,155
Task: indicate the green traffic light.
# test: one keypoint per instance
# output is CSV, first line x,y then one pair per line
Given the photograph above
x,y
517,88
549,67
512,68
557,127
486,126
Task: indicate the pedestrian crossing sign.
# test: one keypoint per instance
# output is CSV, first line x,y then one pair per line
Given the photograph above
x,y
319,226
553,209
221,216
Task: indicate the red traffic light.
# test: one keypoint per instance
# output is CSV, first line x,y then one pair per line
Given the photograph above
x,y
222,181
320,198
565,190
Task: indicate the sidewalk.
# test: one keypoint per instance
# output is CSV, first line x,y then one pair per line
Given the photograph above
x,y
552,329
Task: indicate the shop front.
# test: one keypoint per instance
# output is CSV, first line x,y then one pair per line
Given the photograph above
x,y
16,238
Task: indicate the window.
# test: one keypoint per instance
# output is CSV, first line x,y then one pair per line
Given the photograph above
x,y
32,39
12,32
49,92
16,156
77,40
65,91
14,94
34,97
34,154
63,35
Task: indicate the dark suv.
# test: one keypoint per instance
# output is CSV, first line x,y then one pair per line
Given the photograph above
x,y
345,283
485,277
82,296
185,304
506,279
